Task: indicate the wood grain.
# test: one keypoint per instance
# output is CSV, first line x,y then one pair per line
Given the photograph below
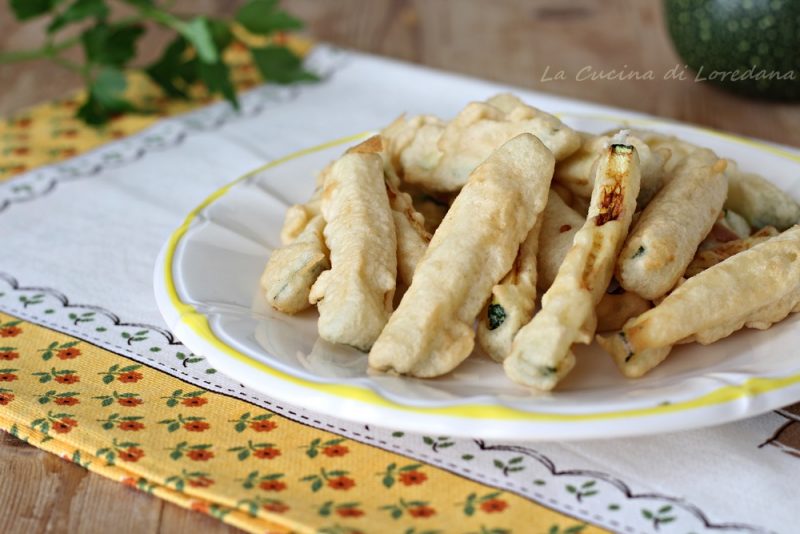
x,y
41,493
511,41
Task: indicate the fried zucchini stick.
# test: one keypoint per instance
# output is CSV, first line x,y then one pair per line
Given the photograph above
x,y
560,223
755,288
412,238
412,146
354,297
298,216
512,301
712,256
473,134
541,354
665,238
432,330
293,269
759,201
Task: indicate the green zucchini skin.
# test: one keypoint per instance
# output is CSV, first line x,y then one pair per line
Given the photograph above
x,y
729,35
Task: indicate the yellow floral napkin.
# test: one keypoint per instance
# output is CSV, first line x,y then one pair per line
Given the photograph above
x,y
224,457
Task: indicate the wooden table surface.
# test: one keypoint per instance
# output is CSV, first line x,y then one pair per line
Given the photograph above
x,y
513,41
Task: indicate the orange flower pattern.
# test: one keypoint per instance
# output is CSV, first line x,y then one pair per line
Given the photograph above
x,y
133,423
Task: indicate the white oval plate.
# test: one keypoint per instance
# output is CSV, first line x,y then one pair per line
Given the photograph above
x,y
206,285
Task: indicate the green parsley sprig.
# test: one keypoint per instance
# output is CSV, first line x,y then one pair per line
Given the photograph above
x,y
195,55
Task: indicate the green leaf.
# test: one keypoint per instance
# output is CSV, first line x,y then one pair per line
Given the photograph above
x,y
388,481
78,11
647,514
316,485
109,86
27,9
410,467
107,379
105,98
427,440
664,509
280,65
220,33
260,16
198,32
111,45
217,78
176,455
244,454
